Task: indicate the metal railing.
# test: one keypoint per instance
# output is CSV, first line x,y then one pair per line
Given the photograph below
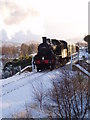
x,y
74,58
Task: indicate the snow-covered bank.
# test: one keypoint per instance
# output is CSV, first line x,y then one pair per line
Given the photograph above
x,y
15,94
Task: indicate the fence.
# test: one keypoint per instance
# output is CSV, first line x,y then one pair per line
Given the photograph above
x,y
74,58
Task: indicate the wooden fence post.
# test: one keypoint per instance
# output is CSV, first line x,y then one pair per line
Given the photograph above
x,y
78,57
71,62
74,58
32,64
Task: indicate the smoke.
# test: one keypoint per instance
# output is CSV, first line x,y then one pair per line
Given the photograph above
x,y
13,13
89,17
21,21
3,35
20,37
25,37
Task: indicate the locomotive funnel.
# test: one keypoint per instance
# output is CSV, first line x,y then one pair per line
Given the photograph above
x,y
44,39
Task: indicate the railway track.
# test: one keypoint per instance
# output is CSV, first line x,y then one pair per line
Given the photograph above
x,y
24,80
9,83
15,85
13,81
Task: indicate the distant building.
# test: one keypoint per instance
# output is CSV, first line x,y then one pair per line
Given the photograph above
x,y
87,39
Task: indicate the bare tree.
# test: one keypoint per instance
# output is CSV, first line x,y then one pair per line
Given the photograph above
x,y
39,94
70,97
24,114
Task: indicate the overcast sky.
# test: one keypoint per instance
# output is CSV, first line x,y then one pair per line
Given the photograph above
x,y
25,20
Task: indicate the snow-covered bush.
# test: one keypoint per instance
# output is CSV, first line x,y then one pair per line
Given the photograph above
x,y
7,74
69,98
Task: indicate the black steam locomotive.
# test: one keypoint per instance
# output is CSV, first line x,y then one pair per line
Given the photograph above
x,y
53,52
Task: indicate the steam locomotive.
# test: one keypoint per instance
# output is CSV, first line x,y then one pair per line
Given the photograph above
x,y
52,52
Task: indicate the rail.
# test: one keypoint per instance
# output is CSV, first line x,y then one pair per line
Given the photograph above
x,y
74,58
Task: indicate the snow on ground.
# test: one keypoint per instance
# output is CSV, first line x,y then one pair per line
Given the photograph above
x,y
83,53
18,90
